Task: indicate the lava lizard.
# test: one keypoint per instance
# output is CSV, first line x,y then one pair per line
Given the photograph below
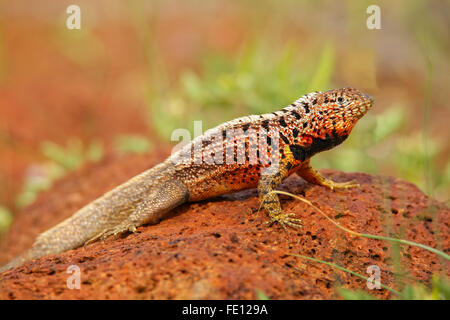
x,y
289,138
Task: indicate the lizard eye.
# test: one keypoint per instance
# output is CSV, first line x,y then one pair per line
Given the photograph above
x,y
340,99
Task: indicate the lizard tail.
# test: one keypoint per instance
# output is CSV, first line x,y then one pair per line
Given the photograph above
x,y
17,261
143,199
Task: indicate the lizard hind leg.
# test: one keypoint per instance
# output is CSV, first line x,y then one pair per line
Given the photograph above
x,y
152,209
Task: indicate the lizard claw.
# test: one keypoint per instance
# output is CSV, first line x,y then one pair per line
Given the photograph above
x,y
121,228
284,219
341,185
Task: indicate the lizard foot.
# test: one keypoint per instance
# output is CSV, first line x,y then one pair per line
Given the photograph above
x,y
119,229
340,185
285,219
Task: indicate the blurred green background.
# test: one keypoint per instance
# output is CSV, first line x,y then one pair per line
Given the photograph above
x,y
137,70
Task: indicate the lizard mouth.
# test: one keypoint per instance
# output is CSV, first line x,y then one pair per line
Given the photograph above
x,y
366,104
368,98
369,101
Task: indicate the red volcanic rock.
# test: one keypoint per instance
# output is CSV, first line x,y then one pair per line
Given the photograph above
x,y
221,248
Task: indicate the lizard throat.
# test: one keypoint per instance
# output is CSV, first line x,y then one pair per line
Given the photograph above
x,y
305,152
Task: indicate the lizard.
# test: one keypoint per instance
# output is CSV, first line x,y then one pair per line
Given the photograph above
x,y
314,123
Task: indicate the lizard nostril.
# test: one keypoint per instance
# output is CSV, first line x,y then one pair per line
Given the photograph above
x,y
367,97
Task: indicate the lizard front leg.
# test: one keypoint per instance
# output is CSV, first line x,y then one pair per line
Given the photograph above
x,y
313,176
269,181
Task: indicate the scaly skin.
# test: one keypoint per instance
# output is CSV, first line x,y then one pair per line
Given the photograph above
x,y
267,149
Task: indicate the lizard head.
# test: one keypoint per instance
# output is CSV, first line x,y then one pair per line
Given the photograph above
x,y
335,112
331,117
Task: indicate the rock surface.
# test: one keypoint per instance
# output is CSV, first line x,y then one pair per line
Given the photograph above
x,y
221,248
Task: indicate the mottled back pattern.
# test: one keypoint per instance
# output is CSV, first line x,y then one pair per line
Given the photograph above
x,y
315,122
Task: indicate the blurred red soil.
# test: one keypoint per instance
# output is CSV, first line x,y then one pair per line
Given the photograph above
x,y
49,97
